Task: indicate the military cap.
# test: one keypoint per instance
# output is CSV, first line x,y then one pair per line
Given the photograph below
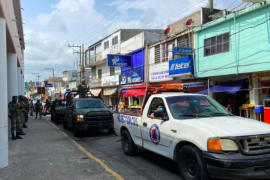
x,y
21,97
13,97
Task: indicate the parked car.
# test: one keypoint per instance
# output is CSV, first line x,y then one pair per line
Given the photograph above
x,y
194,130
87,114
57,110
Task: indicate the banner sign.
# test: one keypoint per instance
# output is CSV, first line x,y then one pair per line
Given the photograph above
x,y
115,60
110,80
182,51
48,85
262,74
181,67
131,76
159,72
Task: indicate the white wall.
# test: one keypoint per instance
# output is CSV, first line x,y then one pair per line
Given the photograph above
x,y
133,44
112,49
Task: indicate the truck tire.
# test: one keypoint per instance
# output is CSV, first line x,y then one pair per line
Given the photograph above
x,y
191,165
75,131
128,145
65,125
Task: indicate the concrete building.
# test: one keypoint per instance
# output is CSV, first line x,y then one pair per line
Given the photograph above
x,y
71,78
11,65
105,80
236,47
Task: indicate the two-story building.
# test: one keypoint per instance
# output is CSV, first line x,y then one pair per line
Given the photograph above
x,y
172,60
106,80
234,50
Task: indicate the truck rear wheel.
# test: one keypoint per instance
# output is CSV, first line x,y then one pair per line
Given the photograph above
x,y
191,165
128,145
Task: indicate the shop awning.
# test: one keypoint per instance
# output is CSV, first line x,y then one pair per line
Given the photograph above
x,y
109,91
95,92
231,87
136,92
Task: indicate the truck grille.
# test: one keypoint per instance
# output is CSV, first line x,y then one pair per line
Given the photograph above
x,y
256,145
98,116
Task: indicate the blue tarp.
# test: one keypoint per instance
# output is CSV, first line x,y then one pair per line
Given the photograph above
x,y
231,87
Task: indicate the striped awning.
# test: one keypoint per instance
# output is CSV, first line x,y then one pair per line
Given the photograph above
x,y
95,92
109,91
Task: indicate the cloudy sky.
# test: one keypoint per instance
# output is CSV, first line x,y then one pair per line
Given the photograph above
x,y
50,25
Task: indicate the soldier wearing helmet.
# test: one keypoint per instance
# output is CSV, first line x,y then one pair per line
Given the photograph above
x,y
83,89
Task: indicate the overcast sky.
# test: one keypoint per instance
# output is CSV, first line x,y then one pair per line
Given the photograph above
x,y
50,25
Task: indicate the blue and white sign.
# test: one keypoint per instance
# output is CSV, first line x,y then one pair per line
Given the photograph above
x,y
181,67
159,72
119,60
37,84
129,120
48,85
131,76
182,51
154,134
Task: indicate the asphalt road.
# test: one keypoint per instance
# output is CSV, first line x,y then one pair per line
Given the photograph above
x,y
146,165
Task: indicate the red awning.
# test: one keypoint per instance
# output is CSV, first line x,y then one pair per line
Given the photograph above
x,y
136,92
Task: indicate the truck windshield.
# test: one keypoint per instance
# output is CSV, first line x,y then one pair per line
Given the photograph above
x,y
188,107
90,103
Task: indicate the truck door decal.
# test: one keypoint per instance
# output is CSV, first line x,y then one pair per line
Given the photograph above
x,y
154,134
129,120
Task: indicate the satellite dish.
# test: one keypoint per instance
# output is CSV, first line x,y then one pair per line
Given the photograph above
x,y
167,30
189,22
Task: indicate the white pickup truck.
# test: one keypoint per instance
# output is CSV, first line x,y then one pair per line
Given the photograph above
x,y
199,134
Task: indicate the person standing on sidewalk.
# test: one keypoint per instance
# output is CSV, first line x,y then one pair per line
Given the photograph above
x,y
48,104
14,111
22,114
31,108
26,107
38,107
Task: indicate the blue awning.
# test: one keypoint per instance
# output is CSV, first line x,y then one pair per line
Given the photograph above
x,y
231,87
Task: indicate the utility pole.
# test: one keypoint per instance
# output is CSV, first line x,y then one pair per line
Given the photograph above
x,y
211,6
52,69
38,76
83,63
80,52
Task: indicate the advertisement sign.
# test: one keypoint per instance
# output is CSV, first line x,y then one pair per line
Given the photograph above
x,y
181,67
262,74
110,80
48,85
131,76
159,72
115,60
195,84
182,51
37,84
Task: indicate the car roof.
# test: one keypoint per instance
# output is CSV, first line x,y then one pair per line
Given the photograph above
x,y
173,94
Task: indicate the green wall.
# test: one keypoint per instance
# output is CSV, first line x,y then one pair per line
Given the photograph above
x,y
249,49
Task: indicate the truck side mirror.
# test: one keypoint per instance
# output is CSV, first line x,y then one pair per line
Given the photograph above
x,y
160,114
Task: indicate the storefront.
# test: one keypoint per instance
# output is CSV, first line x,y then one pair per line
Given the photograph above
x,y
110,86
263,79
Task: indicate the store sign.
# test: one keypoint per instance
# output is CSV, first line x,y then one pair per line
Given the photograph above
x,y
195,84
131,76
159,72
37,84
110,80
95,83
182,51
262,74
115,60
181,67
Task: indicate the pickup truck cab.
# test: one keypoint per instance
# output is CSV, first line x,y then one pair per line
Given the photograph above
x,y
199,134
87,114
57,110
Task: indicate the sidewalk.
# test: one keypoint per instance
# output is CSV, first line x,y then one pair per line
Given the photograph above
x,y
45,153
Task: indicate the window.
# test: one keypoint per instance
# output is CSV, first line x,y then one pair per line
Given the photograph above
x,y
217,44
157,54
165,52
155,104
94,74
93,103
106,45
112,71
99,73
115,40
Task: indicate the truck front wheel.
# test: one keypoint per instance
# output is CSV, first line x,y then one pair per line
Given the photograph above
x,y
191,165
128,145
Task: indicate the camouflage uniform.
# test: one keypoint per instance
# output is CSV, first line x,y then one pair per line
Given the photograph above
x,y
22,113
31,108
14,110
38,107
83,89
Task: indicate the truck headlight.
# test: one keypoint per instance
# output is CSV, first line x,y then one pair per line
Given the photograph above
x,y
222,145
80,117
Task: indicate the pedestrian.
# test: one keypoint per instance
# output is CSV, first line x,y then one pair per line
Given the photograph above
x,y
31,108
48,104
14,111
232,104
38,108
22,114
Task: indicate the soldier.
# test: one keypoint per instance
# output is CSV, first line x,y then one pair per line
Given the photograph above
x,y
26,107
31,108
14,111
22,114
38,107
48,104
83,89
